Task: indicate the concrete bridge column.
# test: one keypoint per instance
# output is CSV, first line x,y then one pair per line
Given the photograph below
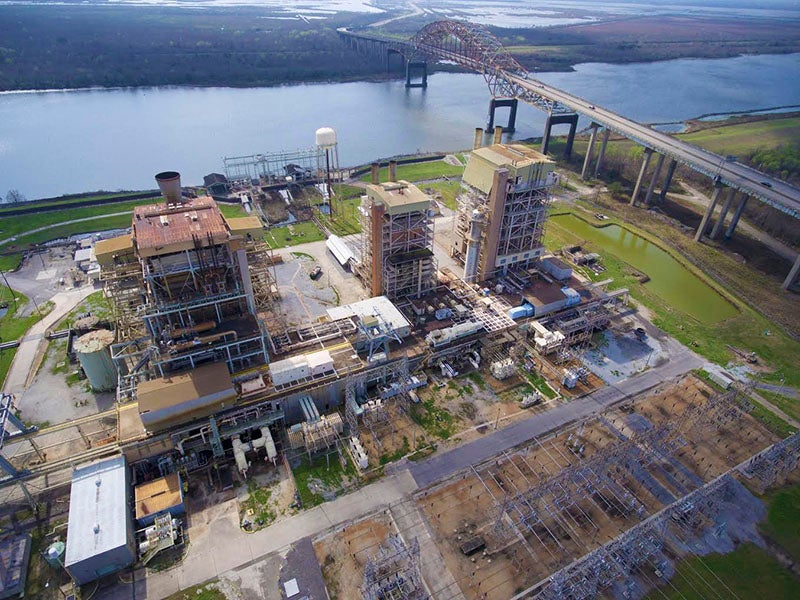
x,y
552,119
648,154
656,173
421,66
588,158
496,103
668,179
573,127
792,276
602,152
722,214
706,217
736,215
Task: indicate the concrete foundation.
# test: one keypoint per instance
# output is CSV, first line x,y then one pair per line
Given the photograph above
x,y
571,120
413,67
706,217
496,103
654,180
588,159
736,215
648,154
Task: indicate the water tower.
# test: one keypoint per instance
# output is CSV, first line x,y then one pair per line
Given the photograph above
x,y
328,150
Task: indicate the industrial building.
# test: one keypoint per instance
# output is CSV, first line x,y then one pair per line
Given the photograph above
x,y
396,238
502,209
100,536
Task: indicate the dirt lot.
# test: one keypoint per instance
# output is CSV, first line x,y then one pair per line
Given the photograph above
x,y
344,553
526,540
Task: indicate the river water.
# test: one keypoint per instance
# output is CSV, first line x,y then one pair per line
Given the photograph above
x,y
669,279
59,142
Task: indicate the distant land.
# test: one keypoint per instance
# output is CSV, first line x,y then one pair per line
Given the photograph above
x,y
48,46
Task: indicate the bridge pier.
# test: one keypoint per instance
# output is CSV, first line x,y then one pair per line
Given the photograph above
x,y
736,215
588,158
648,154
668,179
792,276
420,66
552,119
654,180
602,154
722,214
389,53
496,103
706,217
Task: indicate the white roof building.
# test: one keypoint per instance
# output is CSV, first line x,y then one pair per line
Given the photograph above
x,y
377,306
99,534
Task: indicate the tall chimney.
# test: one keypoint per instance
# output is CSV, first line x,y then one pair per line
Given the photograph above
x,y
392,170
498,134
376,173
478,142
169,182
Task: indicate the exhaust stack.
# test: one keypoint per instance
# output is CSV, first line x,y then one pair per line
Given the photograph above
x,y
376,173
169,182
392,170
498,134
478,141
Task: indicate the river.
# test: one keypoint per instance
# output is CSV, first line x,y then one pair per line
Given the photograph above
x,y
59,142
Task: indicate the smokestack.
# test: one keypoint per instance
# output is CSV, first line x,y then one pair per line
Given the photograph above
x,y
498,134
392,170
376,173
478,142
169,182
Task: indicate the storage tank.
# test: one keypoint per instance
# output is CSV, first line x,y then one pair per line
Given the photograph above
x,y
55,554
169,182
93,353
326,137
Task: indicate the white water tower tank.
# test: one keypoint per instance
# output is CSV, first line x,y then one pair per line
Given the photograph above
x,y
326,137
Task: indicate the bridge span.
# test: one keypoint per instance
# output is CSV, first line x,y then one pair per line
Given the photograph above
x,y
472,47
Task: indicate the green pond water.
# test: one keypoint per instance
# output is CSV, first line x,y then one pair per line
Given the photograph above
x,y
670,280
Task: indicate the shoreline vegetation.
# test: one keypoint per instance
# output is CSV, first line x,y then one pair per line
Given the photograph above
x,y
128,46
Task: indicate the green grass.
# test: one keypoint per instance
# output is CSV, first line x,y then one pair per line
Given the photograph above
x,y
10,262
539,382
259,501
747,329
203,591
231,211
748,572
435,169
65,202
13,327
95,303
447,189
788,405
433,419
783,519
62,231
291,235
317,471
741,138
345,218
387,457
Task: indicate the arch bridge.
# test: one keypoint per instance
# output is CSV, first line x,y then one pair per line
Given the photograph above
x,y
474,48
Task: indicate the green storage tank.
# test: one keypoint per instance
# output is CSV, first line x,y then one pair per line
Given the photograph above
x,y
94,355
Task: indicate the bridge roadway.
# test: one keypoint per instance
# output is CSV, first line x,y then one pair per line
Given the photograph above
x,y
523,86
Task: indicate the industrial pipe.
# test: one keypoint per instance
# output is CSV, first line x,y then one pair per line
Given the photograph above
x,y
498,134
376,173
169,182
478,141
392,170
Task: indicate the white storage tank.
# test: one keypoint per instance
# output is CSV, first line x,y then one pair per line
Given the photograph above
x,y
325,137
92,350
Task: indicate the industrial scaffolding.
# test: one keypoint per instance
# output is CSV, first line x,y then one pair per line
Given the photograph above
x,y
393,572
276,167
402,243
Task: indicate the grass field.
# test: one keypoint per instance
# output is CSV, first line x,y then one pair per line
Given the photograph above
x,y
290,235
783,520
420,171
447,189
231,211
65,202
748,572
344,220
12,327
742,138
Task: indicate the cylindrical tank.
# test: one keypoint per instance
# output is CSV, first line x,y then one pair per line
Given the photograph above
x,y
326,137
93,353
86,323
55,554
498,134
169,182
392,170
478,141
375,170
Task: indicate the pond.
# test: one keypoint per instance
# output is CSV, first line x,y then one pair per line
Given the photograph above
x,y
669,279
